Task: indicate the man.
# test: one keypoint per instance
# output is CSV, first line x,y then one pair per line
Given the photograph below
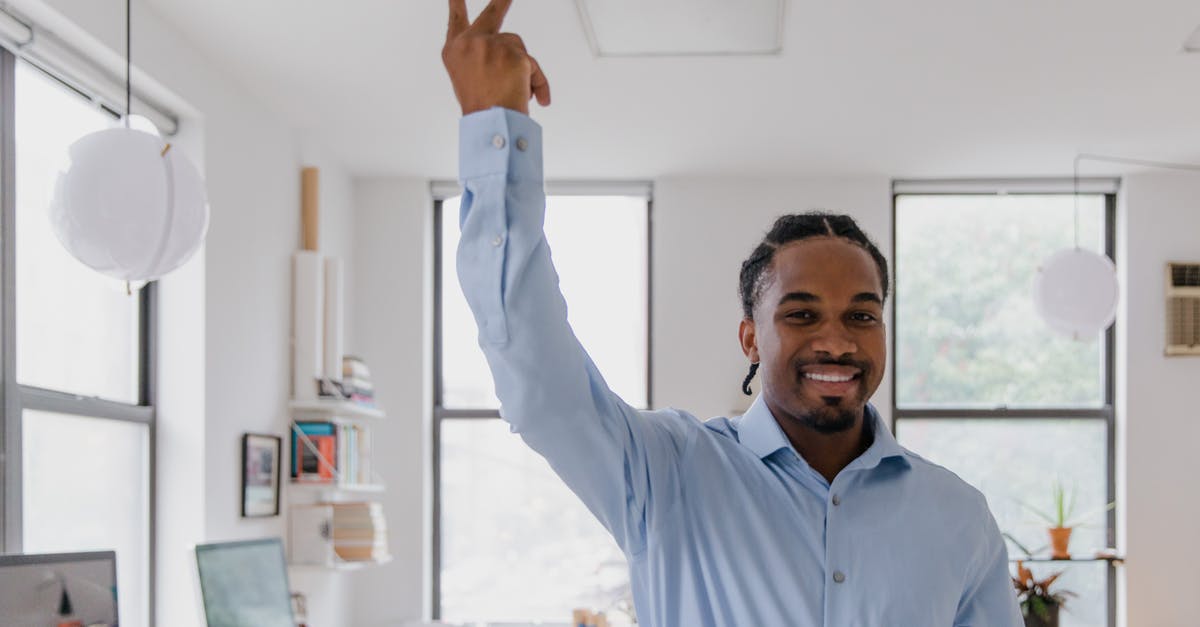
x,y
804,511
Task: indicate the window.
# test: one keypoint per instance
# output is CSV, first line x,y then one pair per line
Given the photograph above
x,y
506,525
985,389
78,420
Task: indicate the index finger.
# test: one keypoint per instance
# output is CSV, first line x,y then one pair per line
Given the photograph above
x,y
458,18
492,17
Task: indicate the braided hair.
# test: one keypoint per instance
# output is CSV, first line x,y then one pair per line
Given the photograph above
x,y
792,228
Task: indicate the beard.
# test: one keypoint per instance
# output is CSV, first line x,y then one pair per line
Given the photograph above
x,y
832,418
833,415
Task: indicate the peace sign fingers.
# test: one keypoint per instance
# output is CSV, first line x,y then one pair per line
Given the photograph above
x,y
492,17
489,68
459,21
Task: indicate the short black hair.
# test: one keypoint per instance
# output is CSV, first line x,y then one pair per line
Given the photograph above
x,y
793,228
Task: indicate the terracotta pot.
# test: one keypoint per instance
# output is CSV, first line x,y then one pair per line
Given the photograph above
x,y
1060,539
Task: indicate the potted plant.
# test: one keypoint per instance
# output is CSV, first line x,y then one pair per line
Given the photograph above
x,y
1062,520
1039,604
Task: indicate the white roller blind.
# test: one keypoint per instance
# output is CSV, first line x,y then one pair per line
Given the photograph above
x,y
58,58
1064,185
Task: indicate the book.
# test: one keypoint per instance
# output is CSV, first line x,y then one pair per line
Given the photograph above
x,y
299,450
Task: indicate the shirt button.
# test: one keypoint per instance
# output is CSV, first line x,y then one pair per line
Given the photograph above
x,y
837,500
838,577
498,240
522,144
498,141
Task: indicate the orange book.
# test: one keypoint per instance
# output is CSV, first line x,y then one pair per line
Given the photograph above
x,y
327,445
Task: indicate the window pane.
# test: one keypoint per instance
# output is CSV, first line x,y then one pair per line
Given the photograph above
x,y
967,334
517,544
1015,463
600,251
76,329
86,488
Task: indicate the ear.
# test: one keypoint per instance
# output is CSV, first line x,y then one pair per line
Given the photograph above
x,y
748,339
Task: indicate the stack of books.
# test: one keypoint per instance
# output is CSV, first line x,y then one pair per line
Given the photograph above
x,y
328,533
359,532
356,381
331,452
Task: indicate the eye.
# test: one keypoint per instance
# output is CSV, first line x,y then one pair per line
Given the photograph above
x,y
863,316
803,314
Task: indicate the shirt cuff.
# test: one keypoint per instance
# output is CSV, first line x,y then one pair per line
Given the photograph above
x,y
499,141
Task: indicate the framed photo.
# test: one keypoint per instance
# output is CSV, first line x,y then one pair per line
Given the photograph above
x,y
260,475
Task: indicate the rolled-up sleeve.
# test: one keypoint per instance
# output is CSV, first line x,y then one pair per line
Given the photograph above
x,y
623,463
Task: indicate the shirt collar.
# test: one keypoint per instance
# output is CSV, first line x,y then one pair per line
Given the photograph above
x,y
760,432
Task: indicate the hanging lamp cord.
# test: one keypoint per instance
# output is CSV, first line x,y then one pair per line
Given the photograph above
x,y
128,62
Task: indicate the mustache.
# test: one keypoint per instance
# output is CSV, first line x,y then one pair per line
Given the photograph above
x,y
830,361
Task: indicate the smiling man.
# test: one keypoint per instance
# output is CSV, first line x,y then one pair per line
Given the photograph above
x,y
804,511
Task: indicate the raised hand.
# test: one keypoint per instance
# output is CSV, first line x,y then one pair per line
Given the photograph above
x,y
489,68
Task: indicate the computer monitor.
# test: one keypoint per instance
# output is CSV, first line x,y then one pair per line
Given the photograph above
x,y
40,590
244,584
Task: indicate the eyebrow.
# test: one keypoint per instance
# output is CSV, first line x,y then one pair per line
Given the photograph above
x,y
809,297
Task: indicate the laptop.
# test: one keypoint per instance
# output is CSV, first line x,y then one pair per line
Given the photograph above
x,y
58,588
245,584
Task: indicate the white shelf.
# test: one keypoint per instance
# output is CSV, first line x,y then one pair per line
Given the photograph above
x,y
338,487
330,407
344,565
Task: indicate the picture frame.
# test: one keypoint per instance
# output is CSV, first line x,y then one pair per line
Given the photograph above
x,y
260,475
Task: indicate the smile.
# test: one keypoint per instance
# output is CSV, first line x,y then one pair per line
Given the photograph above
x,y
830,378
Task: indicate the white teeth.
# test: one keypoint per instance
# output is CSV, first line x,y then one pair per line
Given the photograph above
x,y
832,378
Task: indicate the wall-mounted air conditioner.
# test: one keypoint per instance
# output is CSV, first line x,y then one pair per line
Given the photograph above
x,y
1183,308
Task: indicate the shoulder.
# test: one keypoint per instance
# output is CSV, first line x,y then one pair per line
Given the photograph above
x,y
947,488
675,424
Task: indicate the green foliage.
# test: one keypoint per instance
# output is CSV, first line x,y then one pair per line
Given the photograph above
x,y
1063,512
967,331
1036,597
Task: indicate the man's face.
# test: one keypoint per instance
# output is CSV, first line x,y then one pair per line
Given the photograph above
x,y
818,333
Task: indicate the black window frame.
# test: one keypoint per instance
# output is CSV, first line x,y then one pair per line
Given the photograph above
x,y
441,412
1106,412
15,398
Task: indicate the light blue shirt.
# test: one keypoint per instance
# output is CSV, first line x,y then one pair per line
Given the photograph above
x,y
722,522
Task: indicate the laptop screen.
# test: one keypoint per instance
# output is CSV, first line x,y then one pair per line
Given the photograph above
x,y
40,590
244,584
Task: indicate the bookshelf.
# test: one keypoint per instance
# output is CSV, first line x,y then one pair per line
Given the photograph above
x,y
336,409
335,521
343,565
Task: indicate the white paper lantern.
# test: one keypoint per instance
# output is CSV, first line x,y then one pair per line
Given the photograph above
x,y
1075,292
126,209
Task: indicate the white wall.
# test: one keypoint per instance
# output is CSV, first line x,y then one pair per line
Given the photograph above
x,y
251,160
393,322
1160,222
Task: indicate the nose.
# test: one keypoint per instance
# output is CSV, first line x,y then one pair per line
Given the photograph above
x,y
834,341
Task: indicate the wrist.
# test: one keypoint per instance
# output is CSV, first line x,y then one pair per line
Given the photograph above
x,y
520,106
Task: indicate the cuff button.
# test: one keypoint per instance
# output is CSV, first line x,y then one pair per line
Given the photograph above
x,y
498,141
522,144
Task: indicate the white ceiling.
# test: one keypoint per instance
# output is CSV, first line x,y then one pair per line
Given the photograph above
x,y
681,27
922,88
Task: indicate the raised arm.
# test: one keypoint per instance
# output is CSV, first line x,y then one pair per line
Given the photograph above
x,y
612,456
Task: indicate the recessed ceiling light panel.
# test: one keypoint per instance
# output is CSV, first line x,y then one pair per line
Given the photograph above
x,y
639,28
1193,42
